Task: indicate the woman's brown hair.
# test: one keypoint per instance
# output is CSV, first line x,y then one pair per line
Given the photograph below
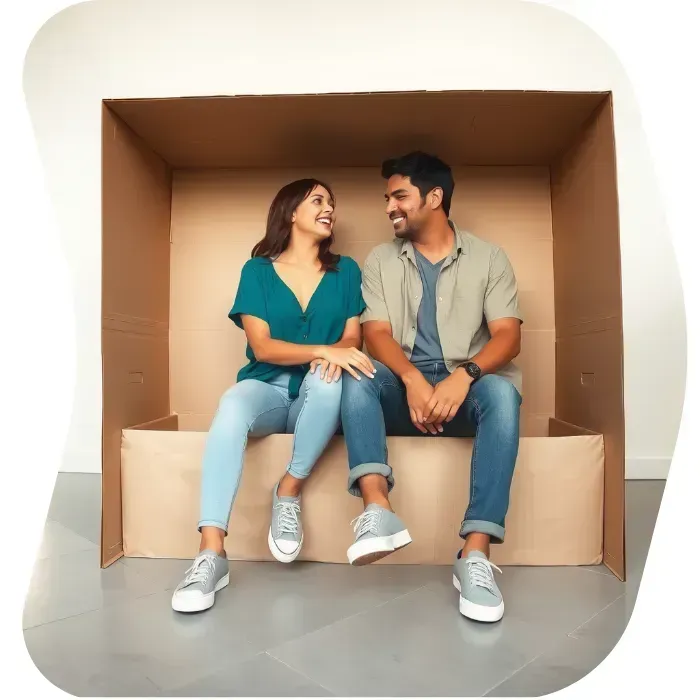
x,y
279,223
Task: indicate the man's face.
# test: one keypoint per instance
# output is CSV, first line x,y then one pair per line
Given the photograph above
x,y
405,207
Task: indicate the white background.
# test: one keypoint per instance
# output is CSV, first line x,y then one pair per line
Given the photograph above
x,y
50,246
137,49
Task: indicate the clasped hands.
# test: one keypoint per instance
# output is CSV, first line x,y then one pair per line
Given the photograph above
x,y
430,406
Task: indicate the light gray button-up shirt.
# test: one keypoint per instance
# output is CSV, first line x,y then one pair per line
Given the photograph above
x,y
476,285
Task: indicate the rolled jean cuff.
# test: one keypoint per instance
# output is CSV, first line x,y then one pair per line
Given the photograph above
x,y
369,468
497,532
296,474
212,523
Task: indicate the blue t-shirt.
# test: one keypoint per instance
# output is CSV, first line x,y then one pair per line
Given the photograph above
x,y
426,348
262,293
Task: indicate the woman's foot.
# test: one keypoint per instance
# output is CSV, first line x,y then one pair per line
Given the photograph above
x,y
207,575
286,535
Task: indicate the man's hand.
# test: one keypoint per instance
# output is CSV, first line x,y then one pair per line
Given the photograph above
x,y
448,396
418,393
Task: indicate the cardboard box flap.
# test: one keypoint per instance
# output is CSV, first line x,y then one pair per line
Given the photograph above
x,y
476,127
135,303
585,222
588,308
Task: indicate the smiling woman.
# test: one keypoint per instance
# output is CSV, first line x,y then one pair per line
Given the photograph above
x,y
299,305
306,209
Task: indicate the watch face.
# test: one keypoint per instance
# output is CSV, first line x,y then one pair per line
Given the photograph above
x,y
473,370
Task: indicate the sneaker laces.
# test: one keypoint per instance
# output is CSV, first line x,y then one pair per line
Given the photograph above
x,y
367,522
481,574
202,568
288,517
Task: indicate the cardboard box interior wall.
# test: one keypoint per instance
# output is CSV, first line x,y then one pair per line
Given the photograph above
x,y
186,187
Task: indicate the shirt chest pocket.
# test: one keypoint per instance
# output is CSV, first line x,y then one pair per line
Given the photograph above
x,y
466,309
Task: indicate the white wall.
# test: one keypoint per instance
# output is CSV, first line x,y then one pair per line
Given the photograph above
x,y
149,48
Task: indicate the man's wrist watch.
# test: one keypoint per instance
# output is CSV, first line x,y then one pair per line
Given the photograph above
x,y
472,369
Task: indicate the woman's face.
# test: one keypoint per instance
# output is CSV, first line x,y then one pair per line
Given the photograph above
x,y
316,214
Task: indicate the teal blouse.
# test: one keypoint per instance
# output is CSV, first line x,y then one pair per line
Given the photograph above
x,y
262,293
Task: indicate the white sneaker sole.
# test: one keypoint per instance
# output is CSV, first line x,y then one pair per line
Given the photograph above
x,y
480,613
187,603
375,548
278,554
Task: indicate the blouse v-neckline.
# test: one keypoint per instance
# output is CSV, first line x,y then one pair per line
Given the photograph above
x,y
291,291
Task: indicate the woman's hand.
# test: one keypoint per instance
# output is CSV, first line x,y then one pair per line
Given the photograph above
x,y
345,358
329,372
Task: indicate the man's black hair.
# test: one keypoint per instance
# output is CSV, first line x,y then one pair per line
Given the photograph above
x,y
425,172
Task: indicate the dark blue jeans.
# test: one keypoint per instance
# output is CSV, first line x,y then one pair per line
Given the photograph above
x,y
373,408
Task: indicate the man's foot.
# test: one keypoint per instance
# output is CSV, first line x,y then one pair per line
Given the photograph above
x,y
378,532
207,575
286,535
479,597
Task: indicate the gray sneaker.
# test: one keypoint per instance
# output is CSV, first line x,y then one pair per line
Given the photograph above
x,y
286,534
207,575
479,597
378,532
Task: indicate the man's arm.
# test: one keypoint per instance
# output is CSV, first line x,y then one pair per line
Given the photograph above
x,y
383,348
502,313
502,348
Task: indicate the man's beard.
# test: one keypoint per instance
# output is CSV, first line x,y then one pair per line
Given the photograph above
x,y
408,233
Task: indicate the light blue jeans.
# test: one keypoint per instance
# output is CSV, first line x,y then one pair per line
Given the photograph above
x,y
256,408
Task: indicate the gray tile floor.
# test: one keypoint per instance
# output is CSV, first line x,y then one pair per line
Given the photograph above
x,y
314,629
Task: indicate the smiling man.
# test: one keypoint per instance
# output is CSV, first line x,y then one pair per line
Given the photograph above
x,y
442,323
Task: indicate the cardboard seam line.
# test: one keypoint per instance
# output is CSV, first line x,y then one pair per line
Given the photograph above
x,y
135,325
609,323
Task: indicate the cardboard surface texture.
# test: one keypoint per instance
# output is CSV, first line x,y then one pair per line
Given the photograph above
x,y
558,478
187,183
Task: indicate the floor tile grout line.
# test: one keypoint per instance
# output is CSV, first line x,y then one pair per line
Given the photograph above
x,y
55,557
514,673
92,610
211,672
602,610
343,619
299,673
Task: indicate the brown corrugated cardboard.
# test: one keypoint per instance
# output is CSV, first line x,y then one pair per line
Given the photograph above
x,y
135,303
466,128
535,173
558,478
588,303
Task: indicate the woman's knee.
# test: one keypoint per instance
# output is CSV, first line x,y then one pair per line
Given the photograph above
x,y
321,390
235,403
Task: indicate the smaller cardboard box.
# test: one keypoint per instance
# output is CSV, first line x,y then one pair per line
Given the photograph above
x,y
186,187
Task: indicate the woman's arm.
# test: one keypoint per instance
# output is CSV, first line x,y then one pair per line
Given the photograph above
x,y
276,352
344,354
352,335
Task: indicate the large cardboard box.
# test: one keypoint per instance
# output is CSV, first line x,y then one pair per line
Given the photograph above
x,y
186,187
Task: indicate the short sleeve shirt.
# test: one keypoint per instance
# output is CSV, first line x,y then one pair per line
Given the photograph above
x,y
476,285
262,293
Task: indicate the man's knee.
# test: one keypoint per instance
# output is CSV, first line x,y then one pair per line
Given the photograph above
x,y
497,396
363,389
